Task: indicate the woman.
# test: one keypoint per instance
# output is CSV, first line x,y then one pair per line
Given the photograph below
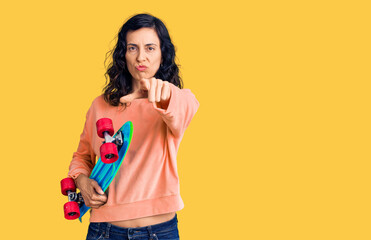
x,y
144,87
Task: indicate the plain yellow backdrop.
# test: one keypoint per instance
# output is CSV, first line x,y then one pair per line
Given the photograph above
x,y
280,146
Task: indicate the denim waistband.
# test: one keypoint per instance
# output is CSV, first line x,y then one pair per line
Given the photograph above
x,y
108,227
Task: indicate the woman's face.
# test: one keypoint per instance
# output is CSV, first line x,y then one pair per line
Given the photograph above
x,y
143,53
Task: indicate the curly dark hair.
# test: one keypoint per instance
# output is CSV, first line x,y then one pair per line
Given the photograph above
x,y
119,80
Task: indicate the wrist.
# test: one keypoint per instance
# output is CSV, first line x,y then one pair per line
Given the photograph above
x,y
79,178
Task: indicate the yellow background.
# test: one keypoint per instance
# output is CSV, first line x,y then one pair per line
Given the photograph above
x,y
280,146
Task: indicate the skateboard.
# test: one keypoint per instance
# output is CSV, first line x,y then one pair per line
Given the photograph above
x,y
112,154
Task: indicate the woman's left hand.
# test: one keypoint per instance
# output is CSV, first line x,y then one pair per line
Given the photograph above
x,y
156,90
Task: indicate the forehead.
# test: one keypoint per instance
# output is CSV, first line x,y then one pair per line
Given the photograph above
x,y
142,36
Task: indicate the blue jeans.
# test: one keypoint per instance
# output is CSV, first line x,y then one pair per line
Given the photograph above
x,y
166,230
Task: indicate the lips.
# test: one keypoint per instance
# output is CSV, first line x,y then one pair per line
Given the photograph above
x,y
141,68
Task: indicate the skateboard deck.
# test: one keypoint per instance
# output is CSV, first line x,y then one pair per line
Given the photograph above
x,y
104,173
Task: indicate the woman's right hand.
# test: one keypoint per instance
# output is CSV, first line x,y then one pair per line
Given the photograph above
x,y
92,193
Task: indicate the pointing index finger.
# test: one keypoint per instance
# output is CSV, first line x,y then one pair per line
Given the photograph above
x,y
145,83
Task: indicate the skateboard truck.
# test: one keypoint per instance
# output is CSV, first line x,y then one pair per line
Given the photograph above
x,y
118,139
75,197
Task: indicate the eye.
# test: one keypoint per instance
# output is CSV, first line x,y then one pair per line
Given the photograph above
x,y
151,48
131,48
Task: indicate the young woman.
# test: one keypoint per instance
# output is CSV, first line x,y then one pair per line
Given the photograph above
x,y
144,87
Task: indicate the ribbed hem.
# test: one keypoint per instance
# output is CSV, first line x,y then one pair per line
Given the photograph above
x,y
137,209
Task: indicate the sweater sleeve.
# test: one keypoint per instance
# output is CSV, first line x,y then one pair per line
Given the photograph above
x,y
180,111
83,160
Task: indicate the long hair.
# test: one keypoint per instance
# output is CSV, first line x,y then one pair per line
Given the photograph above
x,y
118,78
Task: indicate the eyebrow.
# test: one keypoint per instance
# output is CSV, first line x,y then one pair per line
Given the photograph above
x,y
148,44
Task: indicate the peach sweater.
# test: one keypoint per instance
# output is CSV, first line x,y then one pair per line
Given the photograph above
x,y
147,182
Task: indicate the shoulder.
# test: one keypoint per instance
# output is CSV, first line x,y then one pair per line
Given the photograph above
x,y
99,102
186,94
183,91
97,105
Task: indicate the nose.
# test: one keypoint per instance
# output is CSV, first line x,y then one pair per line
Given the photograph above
x,y
141,55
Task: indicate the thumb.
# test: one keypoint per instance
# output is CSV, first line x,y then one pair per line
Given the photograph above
x,y
97,188
145,83
130,97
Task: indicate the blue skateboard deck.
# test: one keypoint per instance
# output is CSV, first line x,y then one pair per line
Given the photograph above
x,y
104,173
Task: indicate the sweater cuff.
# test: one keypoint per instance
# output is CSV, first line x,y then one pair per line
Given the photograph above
x,y
74,174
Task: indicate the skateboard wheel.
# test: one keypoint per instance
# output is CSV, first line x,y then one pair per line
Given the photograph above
x,y
108,153
71,210
104,125
67,184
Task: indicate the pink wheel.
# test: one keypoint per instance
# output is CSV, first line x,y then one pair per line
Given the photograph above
x,y
104,125
71,210
67,184
108,153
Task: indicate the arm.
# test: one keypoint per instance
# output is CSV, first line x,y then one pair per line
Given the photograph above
x,y
82,164
83,159
179,110
176,106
